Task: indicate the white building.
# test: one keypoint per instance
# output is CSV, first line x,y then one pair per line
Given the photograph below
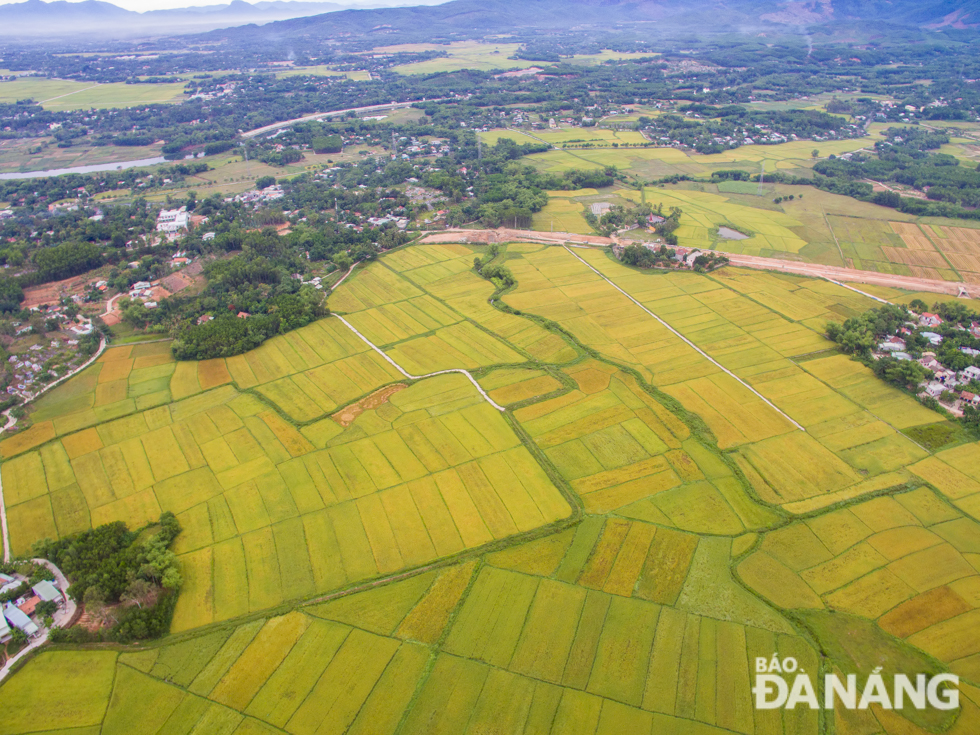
x,y
171,220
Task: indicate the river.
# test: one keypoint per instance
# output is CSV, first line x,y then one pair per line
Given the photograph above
x,y
95,167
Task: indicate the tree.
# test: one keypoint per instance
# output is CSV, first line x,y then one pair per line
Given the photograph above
x,y
37,324
264,182
11,294
328,144
918,305
815,153
137,591
343,261
95,604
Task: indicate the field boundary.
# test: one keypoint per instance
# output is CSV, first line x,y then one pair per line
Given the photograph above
x,y
408,375
689,343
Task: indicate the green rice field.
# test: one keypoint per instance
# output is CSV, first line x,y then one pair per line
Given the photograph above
x,y
62,95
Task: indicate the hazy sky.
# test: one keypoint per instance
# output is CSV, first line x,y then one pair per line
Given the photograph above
x,y
143,5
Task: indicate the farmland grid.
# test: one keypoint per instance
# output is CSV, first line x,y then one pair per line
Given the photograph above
x,y
661,424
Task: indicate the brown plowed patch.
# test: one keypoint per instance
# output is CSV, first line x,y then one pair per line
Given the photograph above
x,y
345,416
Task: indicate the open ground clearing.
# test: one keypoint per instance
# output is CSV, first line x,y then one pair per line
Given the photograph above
x,y
587,535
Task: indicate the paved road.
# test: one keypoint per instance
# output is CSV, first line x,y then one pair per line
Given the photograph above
x,y
318,115
61,617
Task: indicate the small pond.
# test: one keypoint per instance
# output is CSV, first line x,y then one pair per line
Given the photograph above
x,y
729,234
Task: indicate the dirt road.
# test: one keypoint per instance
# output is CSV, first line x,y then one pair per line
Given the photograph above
x,y
814,270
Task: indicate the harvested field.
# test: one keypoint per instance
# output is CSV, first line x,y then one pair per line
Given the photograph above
x,y
377,399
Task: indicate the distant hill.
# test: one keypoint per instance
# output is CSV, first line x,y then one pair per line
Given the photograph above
x,y
94,18
296,20
487,17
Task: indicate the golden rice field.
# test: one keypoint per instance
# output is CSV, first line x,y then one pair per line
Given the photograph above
x,y
673,160
561,214
608,554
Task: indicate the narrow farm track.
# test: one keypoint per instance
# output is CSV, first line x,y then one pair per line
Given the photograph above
x,y
408,375
857,290
701,352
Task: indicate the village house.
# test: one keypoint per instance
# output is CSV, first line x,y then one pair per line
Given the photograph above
x,y
930,320
47,592
892,344
970,398
29,606
17,618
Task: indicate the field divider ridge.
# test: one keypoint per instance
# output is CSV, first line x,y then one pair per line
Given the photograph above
x,y
408,375
856,290
689,343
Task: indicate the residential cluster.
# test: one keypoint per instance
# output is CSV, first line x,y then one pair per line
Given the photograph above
x,y
33,369
26,611
946,385
256,197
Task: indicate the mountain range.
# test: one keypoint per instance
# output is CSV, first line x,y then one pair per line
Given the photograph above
x,y
38,19
298,20
480,18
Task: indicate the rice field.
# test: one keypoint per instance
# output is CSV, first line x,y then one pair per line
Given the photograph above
x,y
561,215
905,561
460,55
755,327
368,554
657,162
62,94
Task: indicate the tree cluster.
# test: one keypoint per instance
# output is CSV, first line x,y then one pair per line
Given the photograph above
x,y
111,564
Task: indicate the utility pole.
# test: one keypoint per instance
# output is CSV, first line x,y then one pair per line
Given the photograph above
x,y
762,177
394,150
479,147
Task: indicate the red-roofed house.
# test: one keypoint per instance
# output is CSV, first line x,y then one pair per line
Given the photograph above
x,y
28,606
